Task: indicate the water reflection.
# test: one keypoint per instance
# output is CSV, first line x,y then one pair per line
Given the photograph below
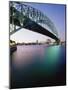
x,y
25,55
38,65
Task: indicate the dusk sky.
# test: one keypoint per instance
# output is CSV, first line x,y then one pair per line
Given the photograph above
x,y
55,12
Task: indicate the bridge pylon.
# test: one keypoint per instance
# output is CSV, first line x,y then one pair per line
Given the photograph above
x,y
58,42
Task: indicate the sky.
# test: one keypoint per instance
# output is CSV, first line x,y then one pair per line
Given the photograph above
x,y
55,12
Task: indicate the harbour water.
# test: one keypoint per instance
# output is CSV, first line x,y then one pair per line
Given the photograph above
x,y
38,65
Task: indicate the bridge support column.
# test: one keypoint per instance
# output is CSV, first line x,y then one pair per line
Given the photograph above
x,y
57,42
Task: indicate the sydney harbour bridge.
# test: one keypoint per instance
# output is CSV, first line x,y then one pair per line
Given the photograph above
x,y
25,16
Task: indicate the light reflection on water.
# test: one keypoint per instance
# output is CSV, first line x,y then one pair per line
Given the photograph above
x,y
29,54
25,55
38,62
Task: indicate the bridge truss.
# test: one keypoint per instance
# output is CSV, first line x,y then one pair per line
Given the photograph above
x,y
19,14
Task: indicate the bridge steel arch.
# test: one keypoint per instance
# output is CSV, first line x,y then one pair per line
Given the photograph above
x,y
25,16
